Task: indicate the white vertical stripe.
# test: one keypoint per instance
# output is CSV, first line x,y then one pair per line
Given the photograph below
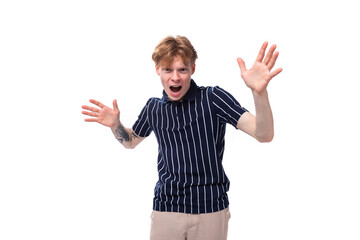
x,y
196,159
217,130
207,147
161,179
172,161
202,155
214,146
177,156
191,170
165,155
152,122
222,133
183,153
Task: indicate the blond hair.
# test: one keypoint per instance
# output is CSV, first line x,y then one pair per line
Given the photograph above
x,y
170,47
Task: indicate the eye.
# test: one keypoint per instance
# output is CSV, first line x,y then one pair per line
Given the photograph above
x,y
183,70
167,70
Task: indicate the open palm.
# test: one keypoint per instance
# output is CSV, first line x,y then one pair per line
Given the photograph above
x,y
259,75
104,115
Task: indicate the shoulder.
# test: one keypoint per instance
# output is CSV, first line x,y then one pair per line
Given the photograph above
x,y
217,93
221,97
213,90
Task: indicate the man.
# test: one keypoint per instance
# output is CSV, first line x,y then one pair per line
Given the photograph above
x,y
189,123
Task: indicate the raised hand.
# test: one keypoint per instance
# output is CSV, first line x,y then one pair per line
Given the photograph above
x,y
259,75
103,115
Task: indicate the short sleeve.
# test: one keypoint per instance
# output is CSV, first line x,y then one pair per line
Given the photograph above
x,y
142,127
227,108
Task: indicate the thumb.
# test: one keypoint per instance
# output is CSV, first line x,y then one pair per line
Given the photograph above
x,y
116,108
241,65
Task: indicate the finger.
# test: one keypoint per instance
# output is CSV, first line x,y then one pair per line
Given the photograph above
x,y
90,108
241,64
91,120
92,114
269,54
272,62
276,72
262,52
97,103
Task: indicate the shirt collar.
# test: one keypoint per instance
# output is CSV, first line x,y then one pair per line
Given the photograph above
x,y
189,96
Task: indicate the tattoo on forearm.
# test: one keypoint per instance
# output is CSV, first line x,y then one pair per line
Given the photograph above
x,y
121,134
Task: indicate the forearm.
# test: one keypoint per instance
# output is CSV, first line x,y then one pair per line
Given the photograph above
x,y
124,135
264,130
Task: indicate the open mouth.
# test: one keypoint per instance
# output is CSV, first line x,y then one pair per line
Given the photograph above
x,y
175,89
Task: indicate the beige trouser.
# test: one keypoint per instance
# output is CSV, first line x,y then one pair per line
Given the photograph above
x,y
182,226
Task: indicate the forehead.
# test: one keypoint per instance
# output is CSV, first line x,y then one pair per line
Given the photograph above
x,y
175,62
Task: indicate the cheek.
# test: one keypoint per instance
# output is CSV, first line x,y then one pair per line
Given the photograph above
x,y
164,82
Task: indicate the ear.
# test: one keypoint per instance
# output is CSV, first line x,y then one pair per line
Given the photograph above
x,y
193,69
157,70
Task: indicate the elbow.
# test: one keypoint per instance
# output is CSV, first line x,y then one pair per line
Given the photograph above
x,y
130,146
265,138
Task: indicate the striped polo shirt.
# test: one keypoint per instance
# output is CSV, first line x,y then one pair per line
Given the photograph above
x,y
190,134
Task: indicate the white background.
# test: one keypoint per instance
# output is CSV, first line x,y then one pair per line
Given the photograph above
x,y
62,178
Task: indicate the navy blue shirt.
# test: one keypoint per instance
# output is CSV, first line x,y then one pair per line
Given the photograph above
x,y
190,134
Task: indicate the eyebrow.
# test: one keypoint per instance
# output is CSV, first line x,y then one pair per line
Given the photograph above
x,y
176,68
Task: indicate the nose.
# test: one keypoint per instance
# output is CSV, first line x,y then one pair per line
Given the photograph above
x,y
175,76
